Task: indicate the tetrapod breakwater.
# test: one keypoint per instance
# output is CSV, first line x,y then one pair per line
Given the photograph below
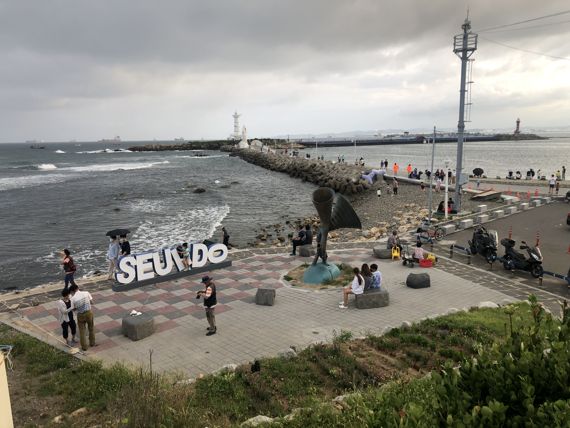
x,y
342,177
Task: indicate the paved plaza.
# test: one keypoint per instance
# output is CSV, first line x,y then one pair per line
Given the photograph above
x,y
247,331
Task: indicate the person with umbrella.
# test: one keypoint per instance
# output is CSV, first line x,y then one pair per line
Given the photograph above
x,y
115,250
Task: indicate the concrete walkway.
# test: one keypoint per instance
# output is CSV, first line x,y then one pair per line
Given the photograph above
x,y
247,331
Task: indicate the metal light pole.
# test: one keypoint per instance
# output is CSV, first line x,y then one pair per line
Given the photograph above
x,y
446,186
431,176
464,45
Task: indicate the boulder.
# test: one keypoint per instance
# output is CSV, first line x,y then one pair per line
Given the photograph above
x,y
382,253
374,298
138,327
265,296
257,420
306,250
418,280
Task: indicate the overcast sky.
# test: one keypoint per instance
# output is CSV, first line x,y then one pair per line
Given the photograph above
x,y
144,69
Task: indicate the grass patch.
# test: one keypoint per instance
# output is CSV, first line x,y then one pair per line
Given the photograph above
x,y
321,372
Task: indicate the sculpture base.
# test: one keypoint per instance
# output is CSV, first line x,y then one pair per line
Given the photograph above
x,y
319,273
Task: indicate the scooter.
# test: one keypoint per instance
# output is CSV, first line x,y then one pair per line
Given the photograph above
x,y
514,260
484,243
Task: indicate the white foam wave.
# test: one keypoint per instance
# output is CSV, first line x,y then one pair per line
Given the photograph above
x,y
189,226
105,151
10,183
201,157
147,206
114,167
59,151
46,166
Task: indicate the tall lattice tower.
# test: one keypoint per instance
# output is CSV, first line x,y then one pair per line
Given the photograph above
x,y
518,128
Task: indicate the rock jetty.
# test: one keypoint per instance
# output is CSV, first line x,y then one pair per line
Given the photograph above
x,y
341,177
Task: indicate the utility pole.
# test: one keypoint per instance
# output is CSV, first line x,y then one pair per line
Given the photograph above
x,y
431,176
464,45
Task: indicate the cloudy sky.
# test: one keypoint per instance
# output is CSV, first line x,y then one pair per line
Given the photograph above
x,y
145,69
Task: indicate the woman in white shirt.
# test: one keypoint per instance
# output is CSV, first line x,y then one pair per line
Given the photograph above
x,y
357,287
419,253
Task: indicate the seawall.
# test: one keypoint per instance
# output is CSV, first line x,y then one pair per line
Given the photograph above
x,y
341,177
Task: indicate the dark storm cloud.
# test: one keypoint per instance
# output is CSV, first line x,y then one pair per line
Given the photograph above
x,y
60,55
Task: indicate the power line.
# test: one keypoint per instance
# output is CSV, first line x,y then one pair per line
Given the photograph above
x,y
525,21
525,50
550,24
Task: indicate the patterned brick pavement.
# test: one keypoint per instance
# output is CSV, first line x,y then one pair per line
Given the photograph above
x,y
247,331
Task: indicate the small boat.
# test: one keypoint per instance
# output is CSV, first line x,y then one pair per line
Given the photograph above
x,y
36,146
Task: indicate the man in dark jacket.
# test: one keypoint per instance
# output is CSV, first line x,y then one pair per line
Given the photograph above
x,y
210,301
299,240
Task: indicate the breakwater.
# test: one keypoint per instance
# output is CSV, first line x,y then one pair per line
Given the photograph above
x,y
341,177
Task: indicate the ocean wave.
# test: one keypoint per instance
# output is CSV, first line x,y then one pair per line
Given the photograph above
x,y
201,157
59,151
105,151
146,206
46,166
113,167
10,183
190,226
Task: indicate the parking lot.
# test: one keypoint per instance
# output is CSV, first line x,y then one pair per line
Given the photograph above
x,y
549,222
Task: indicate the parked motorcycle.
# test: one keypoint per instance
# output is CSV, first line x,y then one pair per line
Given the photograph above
x,y
515,260
484,243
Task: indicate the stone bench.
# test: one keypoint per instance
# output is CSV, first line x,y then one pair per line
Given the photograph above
x,y
265,296
418,280
306,250
138,327
382,252
373,298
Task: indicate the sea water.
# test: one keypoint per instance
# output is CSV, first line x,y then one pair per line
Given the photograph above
x,y
69,195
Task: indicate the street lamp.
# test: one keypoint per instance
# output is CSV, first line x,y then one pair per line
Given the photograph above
x,y
447,162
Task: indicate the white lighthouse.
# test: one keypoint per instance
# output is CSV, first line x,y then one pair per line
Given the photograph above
x,y
236,134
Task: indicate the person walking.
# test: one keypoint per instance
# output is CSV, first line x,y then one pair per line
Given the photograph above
x,y
557,187
81,302
395,168
563,173
113,257
395,186
210,301
69,268
225,236
65,315
409,170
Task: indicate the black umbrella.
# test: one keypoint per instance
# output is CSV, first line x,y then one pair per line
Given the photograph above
x,y
117,232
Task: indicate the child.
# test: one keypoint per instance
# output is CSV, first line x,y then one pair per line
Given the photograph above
x,y
423,186
66,317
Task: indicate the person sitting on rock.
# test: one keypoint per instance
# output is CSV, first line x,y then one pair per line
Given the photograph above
x,y
394,241
298,240
357,287
376,276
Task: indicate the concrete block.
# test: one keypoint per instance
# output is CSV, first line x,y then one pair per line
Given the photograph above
x,y
498,213
372,299
510,210
547,199
482,218
536,202
306,250
449,228
139,327
418,280
265,296
465,223
382,253
481,208
524,206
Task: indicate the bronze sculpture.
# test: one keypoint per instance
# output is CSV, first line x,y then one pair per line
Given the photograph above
x,y
342,215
